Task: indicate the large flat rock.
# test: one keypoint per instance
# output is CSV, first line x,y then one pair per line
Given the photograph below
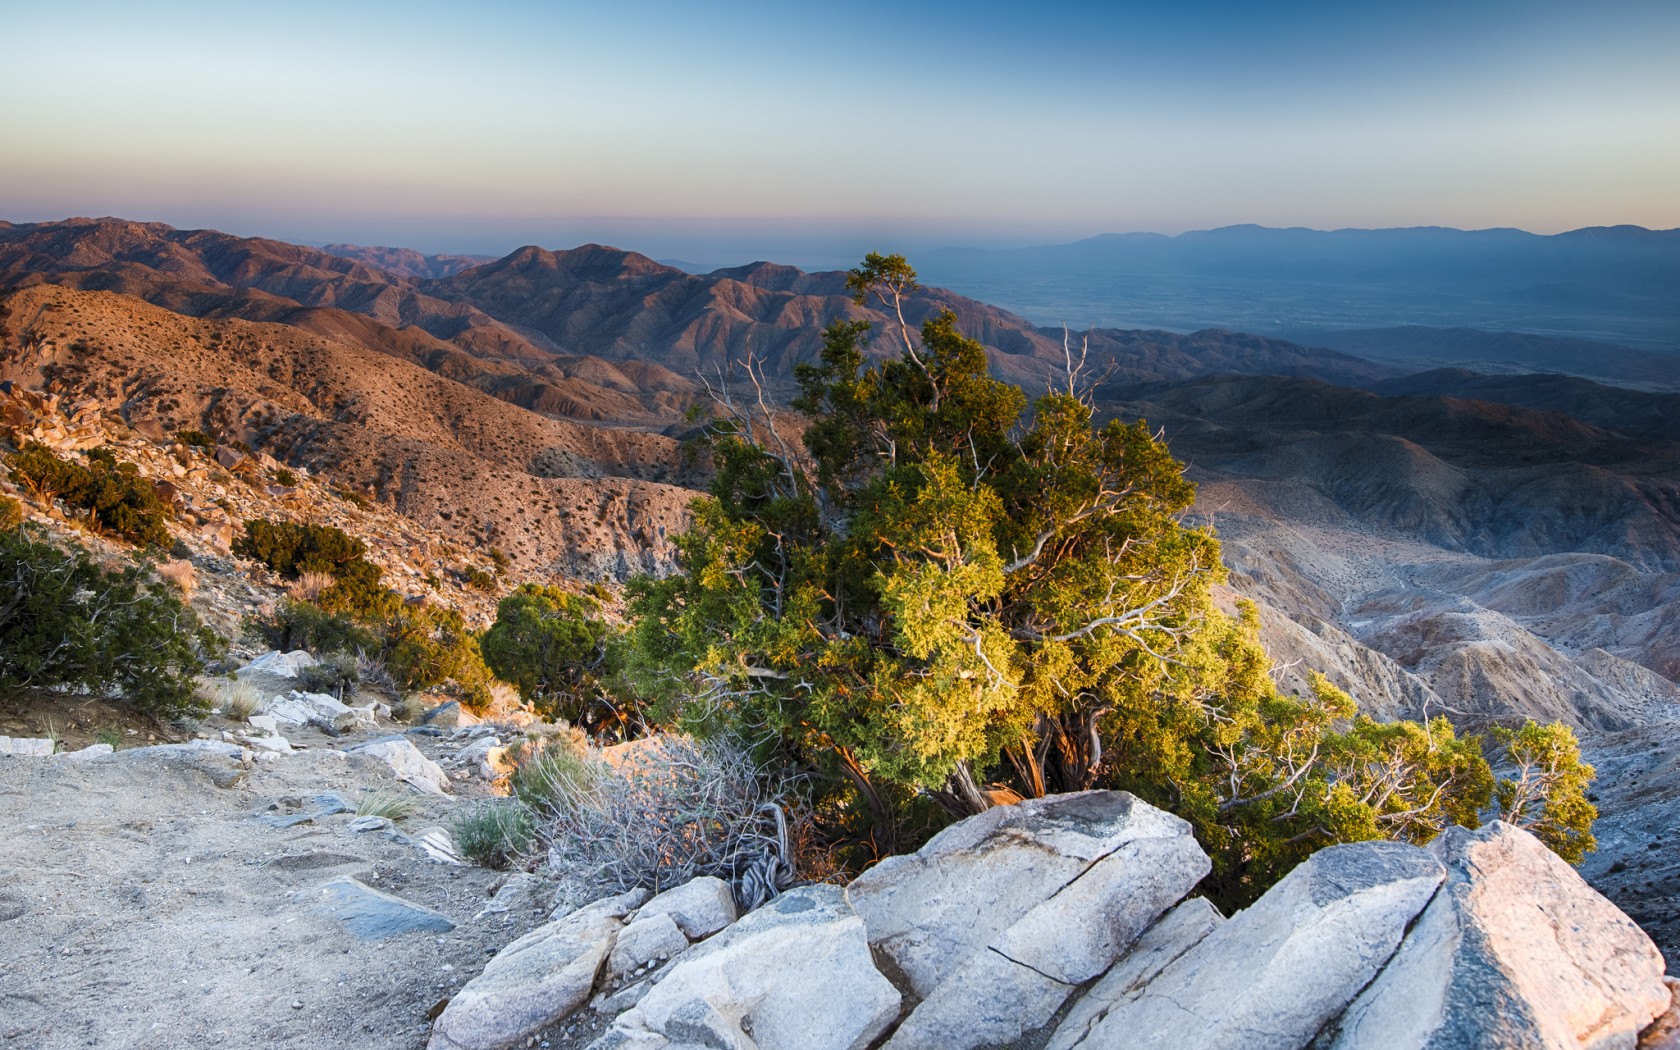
x,y
1515,951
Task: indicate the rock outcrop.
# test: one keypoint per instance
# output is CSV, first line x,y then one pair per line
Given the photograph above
x,y
1065,923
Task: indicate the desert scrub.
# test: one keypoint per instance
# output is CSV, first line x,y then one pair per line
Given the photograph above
x,y
237,701
391,805
110,496
180,574
67,623
335,674
11,514
556,774
677,810
495,834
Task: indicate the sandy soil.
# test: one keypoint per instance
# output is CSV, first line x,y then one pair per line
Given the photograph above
x,y
143,905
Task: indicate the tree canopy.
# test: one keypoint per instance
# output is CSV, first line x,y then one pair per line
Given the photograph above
x,y
949,594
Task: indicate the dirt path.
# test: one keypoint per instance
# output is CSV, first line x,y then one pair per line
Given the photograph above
x,y
143,905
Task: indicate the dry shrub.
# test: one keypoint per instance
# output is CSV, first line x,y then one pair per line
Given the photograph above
x,y
309,586
688,809
237,701
181,575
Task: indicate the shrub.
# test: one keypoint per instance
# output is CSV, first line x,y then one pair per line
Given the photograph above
x,y
195,439
179,574
392,805
300,625
11,513
564,658
309,586
67,623
692,809
112,496
334,674
240,700
282,476
478,579
556,774
291,549
495,834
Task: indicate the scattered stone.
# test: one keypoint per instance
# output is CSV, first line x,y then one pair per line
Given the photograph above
x,y
1276,973
438,845
369,823
373,915
649,939
26,747
267,723
276,744
699,907
407,763
796,972
534,982
448,716
1516,950
91,751
281,665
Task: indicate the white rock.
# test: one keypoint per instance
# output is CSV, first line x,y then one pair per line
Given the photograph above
x,y
1276,973
532,983
700,907
438,845
407,763
267,723
281,665
1017,981
649,939
1516,950
277,744
1177,932
26,747
91,751
796,972
932,910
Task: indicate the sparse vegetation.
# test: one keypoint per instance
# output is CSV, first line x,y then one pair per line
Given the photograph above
x,y
67,623
493,834
11,513
564,658
335,674
392,805
196,439
111,497
180,574
478,579
239,701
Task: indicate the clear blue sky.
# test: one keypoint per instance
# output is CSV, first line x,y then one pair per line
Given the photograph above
x,y
673,126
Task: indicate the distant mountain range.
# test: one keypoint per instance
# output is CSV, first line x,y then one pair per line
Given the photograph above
x,y
1618,284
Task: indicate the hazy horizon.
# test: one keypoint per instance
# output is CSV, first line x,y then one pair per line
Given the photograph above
x,y
420,125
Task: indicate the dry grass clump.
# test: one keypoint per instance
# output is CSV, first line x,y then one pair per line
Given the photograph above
x,y
180,574
494,835
392,805
309,586
237,701
688,809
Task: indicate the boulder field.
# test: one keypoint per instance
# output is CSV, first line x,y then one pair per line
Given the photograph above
x,y
1070,922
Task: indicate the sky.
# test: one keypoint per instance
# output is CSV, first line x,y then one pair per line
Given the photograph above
x,y
725,131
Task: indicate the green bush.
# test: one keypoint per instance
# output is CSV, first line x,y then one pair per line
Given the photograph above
x,y
291,549
195,439
282,476
335,674
302,625
67,623
564,658
111,495
478,579
495,834
11,513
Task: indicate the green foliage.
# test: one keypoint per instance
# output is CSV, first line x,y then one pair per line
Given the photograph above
x,y
335,674
1547,791
564,658
493,834
954,587
291,549
282,476
196,439
423,646
112,496
304,625
67,623
11,513
478,579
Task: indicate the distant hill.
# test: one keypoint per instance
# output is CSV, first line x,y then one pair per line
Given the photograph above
x,y
1417,347
406,262
1616,284
1605,406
